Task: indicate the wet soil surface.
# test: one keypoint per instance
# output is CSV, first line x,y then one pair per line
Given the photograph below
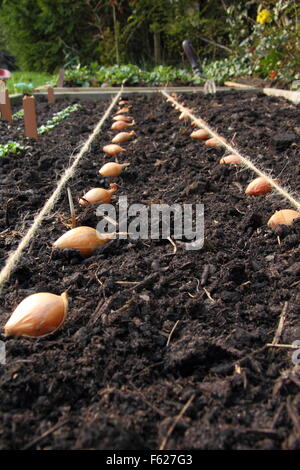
x,y
152,333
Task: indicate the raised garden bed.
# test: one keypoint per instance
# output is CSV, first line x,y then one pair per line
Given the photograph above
x,y
149,330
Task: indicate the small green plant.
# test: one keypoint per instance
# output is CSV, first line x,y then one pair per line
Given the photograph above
x,y
57,118
126,74
11,148
19,114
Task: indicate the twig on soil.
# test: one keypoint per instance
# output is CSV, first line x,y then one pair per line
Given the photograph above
x,y
98,280
281,323
145,281
171,333
173,425
72,209
292,412
277,415
208,295
174,245
151,405
45,434
126,283
284,346
143,371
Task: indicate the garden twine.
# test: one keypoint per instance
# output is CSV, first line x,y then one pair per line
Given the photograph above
x,y
246,161
14,258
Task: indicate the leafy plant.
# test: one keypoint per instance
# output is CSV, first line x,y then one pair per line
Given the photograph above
x,y
271,48
57,118
11,148
19,114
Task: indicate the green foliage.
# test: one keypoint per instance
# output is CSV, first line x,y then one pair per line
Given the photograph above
x,y
11,148
271,46
34,78
44,34
127,74
162,75
224,69
250,37
57,118
19,114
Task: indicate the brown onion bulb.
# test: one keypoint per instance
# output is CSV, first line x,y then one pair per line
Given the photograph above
x,y
123,110
213,142
38,315
98,195
112,168
113,149
121,125
121,117
200,134
84,239
283,217
123,137
258,187
232,158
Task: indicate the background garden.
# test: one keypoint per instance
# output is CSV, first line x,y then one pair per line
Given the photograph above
x,y
140,41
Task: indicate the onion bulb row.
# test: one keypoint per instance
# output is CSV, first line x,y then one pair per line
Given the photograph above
x,y
43,313
258,187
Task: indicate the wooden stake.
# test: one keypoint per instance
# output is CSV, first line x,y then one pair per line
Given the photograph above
x,y
30,117
50,93
5,108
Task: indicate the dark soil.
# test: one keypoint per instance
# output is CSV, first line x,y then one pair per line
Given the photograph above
x,y
149,331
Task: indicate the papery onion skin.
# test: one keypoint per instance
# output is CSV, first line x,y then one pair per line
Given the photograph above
x,y
121,117
213,142
121,125
98,195
123,137
84,239
38,315
112,169
258,187
113,149
123,110
233,159
200,134
283,217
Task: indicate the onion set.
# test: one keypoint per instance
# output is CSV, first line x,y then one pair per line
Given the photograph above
x,y
232,158
113,149
200,134
98,195
213,142
123,110
121,117
121,125
38,315
283,217
258,187
112,168
84,239
123,137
